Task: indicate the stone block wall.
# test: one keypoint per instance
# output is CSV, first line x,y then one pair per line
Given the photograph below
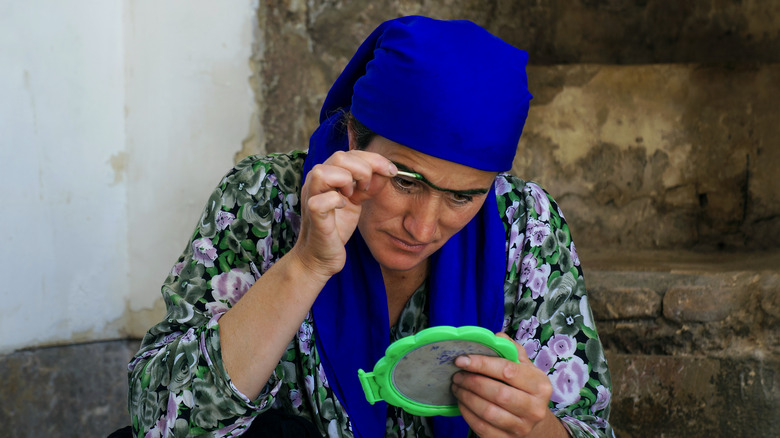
x,y
692,341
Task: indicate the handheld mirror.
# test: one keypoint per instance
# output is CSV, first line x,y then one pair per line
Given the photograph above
x,y
416,372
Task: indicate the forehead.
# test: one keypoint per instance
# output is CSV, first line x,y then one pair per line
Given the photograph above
x,y
441,172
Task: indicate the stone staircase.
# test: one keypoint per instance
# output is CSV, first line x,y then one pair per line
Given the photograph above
x,y
692,339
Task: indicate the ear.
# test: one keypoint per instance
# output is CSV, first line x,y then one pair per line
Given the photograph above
x,y
351,136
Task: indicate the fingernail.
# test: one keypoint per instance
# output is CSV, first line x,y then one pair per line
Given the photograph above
x,y
462,361
392,169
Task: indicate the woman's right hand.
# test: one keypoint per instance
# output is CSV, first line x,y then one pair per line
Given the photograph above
x,y
331,202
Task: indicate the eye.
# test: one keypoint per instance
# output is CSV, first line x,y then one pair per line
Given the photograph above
x,y
406,185
459,199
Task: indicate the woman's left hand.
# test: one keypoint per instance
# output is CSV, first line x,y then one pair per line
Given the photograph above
x,y
501,398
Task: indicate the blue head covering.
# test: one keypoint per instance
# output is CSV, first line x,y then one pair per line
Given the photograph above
x,y
451,90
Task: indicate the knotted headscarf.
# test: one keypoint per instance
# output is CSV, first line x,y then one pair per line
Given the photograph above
x,y
451,90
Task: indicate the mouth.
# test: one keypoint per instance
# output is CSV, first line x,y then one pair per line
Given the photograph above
x,y
408,246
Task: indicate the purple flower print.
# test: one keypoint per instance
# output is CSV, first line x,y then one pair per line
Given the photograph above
x,y
514,245
203,251
224,219
294,219
510,211
545,359
295,398
278,214
216,307
309,382
265,252
567,380
241,423
538,281
527,268
537,232
502,186
231,286
602,399
170,417
563,346
176,271
532,347
304,337
574,257
156,431
323,377
541,203
527,329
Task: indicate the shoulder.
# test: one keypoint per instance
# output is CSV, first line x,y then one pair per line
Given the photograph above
x,y
252,190
283,170
519,200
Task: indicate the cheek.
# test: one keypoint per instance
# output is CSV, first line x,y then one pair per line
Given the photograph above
x,y
381,207
454,220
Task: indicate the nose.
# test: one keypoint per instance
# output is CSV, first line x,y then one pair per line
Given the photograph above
x,y
422,219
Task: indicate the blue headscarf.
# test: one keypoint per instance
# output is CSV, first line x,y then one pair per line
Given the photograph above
x,y
451,90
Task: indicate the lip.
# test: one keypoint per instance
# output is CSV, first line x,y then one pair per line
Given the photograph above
x,y
406,246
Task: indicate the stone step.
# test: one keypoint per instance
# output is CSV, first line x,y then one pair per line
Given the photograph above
x,y
65,391
672,302
695,396
692,340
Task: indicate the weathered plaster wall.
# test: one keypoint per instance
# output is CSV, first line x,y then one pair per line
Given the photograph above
x,y
116,121
680,152
63,245
188,110
659,156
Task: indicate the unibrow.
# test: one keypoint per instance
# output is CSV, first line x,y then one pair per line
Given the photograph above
x,y
409,173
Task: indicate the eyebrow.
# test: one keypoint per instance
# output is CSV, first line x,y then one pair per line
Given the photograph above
x,y
409,173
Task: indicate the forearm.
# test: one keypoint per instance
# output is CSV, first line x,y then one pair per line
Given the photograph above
x,y
256,331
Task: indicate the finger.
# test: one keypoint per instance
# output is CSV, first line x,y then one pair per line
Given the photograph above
x,y
522,355
362,165
486,426
483,392
497,368
359,170
324,178
379,164
321,205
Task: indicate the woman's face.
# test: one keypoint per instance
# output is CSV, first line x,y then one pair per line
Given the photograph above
x,y
408,220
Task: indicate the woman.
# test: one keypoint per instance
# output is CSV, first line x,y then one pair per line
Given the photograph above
x,y
306,265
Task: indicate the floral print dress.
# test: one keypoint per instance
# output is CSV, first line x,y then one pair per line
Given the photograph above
x,y
179,386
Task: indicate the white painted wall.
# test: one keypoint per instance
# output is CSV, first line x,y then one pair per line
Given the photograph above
x,y
116,121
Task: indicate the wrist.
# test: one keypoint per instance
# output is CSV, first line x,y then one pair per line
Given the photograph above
x,y
313,271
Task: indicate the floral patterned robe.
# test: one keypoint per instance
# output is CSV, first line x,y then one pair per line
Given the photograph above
x,y
179,386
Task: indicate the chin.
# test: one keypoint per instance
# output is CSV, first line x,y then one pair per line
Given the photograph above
x,y
397,261
399,266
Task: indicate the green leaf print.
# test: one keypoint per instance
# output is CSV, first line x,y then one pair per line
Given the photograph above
x,y
259,233
323,393
547,333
